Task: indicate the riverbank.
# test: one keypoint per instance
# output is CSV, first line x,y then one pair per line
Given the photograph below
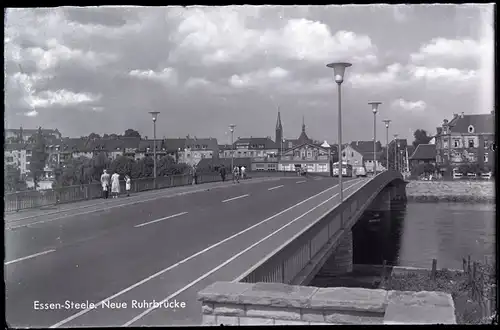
x,y
463,191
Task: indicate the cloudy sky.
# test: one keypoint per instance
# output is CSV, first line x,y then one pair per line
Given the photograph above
x,y
101,69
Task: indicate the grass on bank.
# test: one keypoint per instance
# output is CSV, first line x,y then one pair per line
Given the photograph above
x,y
473,291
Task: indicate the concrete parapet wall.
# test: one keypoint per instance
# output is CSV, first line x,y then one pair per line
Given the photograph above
x,y
230,303
457,191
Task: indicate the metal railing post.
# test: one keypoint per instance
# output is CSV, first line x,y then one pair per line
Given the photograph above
x,y
283,271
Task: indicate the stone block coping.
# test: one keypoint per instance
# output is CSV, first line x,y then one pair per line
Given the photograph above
x,y
275,303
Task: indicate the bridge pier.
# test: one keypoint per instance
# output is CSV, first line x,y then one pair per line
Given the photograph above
x,y
340,262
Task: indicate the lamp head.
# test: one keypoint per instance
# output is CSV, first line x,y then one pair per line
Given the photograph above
x,y
231,127
387,122
154,114
374,106
339,70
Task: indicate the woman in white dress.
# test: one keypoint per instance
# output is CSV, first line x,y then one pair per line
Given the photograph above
x,y
115,184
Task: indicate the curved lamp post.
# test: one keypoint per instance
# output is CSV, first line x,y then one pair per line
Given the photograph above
x,y
387,122
374,110
154,114
395,151
231,128
338,72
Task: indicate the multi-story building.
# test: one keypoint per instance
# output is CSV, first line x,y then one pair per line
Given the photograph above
x,y
424,154
310,157
465,140
195,149
360,153
18,155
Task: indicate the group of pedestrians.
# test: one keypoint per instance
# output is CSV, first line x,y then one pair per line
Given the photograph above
x,y
239,172
113,183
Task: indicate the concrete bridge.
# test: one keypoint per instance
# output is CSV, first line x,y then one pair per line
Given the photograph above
x,y
142,260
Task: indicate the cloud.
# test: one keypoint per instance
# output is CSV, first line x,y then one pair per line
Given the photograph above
x,y
61,98
32,113
393,74
167,75
261,78
448,75
409,105
197,82
441,48
201,34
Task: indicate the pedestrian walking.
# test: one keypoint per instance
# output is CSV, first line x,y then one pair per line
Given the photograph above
x,y
243,173
236,174
127,184
115,184
194,173
223,173
105,184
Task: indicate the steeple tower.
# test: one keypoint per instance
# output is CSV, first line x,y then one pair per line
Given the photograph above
x,y
279,129
303,124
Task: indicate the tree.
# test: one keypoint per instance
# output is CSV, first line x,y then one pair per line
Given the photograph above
x,y
421,137
93,136
38,158
99,163
122,165
132,133
12,179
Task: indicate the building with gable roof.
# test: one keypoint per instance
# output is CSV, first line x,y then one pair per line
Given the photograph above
x,y
310,157
424,154
466,140
360,153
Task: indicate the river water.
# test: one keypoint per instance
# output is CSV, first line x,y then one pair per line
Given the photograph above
x,y
416,233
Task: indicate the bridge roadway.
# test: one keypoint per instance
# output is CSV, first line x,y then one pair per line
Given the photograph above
x,y
155,246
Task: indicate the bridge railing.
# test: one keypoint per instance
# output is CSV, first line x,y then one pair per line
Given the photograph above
x,y
287,264
41,198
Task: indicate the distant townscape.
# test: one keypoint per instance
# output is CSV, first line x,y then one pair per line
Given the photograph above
x,y
40,158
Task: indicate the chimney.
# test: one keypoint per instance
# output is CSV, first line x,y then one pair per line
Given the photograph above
x,y
462,115
445,122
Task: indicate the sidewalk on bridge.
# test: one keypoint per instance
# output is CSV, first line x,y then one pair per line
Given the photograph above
x,y
166,192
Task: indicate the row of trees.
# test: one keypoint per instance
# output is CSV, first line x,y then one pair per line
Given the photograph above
x,y
83,170
128,133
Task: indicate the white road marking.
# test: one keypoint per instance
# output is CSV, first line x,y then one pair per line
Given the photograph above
x,y
301,181
85,311
28,257
277,187
124,204
258,264
161,219
234,198
173,295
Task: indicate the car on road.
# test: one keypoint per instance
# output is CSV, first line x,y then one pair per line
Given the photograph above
x,y
360,171
346,170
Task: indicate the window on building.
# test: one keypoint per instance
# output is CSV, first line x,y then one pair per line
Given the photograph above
x,y
485,144
10,159
485,158
438,158
352,154
456,143
445,144
343,154
205,146
471,129
471,143
309,154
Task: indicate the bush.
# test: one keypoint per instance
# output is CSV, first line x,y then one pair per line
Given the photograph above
x,y
465,294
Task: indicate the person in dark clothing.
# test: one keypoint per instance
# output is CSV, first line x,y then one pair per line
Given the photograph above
x,y
223,173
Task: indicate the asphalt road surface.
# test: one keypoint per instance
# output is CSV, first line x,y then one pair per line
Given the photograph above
x,y
150,248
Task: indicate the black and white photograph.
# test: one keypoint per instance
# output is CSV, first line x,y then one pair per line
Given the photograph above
x,y
249,165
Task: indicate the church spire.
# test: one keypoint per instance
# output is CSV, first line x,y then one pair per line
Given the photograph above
x,y
278,121
303,124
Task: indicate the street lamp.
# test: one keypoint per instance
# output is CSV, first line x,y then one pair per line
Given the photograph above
x,y
154,114
281,155
374,110
387,122
231,128
338,72
395,151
